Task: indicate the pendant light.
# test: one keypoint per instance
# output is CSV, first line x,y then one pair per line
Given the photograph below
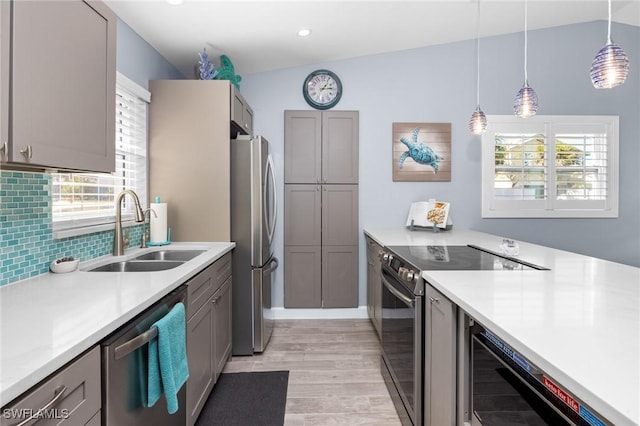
x,y
610,67
526,102
478,121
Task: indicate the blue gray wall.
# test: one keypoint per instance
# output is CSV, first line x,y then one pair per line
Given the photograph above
x,y
27,244
139,61
438,84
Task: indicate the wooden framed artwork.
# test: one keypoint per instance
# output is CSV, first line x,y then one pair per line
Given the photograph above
x,y
421,152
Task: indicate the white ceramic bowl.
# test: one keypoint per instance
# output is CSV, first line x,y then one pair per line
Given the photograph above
x,y
60,266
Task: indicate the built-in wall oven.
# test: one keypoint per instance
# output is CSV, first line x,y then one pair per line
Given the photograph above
x,y
404,321
507,389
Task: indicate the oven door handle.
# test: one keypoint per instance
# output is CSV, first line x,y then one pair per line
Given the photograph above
x,y
397,293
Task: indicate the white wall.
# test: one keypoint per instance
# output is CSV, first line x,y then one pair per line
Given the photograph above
x,y
437,84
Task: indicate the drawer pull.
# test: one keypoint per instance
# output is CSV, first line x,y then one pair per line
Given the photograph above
x,y
57,395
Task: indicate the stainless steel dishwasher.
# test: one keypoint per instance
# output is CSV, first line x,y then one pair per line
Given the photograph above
x,y
124,371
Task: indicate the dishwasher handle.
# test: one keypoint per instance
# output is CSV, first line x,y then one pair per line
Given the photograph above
x,y
140,340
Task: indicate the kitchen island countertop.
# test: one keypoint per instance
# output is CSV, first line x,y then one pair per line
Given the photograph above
x,y
578,321
48,320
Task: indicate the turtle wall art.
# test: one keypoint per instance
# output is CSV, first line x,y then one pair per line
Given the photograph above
x,y
421,152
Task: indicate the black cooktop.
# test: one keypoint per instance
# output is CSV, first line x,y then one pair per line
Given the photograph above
x,y
457,258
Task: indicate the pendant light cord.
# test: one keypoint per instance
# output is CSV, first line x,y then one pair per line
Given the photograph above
x,y
478,55
609,25
526,42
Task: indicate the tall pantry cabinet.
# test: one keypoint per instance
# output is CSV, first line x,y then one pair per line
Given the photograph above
x,y
190,127
321,209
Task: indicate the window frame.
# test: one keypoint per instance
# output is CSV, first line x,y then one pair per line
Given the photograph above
x,y
96,223
550,206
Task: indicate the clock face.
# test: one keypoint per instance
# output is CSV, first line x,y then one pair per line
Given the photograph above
x,y
322,89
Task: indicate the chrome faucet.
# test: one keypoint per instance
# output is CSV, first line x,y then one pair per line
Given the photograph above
x,y
118,241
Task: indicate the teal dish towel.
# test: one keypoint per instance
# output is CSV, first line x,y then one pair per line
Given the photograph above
x,y
168,368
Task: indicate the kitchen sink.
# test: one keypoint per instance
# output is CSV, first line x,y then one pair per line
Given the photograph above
x,y
138,266
180,255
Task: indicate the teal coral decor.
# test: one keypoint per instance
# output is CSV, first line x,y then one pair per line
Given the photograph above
x,y
207,71
226,72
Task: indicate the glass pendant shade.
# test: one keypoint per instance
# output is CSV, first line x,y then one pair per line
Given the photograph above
x,y
610,67
526,102
478,122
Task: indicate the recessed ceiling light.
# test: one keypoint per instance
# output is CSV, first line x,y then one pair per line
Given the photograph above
x,y
304,32
175,2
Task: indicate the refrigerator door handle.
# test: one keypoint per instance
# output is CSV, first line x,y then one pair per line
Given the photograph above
x,y
271,221
273,265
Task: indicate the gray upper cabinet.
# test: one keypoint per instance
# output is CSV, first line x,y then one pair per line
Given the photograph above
x,y
303,146
340,147
321,146
241,112
57,75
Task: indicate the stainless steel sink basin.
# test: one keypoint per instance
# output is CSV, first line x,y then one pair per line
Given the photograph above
x,y
138,266
181,255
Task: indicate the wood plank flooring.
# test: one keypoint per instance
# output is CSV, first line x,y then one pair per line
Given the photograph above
x,y
334,372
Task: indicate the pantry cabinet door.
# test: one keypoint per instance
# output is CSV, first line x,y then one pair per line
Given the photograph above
x,y
302,146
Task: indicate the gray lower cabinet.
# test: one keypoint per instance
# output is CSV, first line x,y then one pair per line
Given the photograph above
x,y
201,360
339,276
374,284
221,303
440,358
72,395
303,276
321,246
54,112
208,332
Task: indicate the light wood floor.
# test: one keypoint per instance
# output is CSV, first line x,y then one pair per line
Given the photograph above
x,y
334,372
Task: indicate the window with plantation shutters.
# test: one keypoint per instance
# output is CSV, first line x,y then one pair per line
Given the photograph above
x,y
550,166
81,200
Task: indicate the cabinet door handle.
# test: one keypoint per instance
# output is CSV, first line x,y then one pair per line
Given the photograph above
x,y
27,152
434,300
57,395
4,151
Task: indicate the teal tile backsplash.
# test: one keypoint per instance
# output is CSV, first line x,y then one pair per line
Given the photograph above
x,y
27,246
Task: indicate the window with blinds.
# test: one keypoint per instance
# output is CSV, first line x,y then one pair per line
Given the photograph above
x,y
84,199
550,166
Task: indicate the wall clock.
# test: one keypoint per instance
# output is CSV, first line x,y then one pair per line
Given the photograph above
x,y
322,89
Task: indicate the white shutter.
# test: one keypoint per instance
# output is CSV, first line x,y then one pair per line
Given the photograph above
x,y
550,166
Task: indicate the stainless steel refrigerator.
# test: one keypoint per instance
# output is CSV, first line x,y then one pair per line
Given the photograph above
x,y
253,220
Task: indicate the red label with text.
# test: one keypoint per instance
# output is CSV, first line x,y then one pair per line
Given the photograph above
x,y
555,389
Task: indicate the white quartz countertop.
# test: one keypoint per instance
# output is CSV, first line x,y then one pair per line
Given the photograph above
x,y
48,320
579,322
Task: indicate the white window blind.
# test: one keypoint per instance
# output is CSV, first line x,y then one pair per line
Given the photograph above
x,y
550,166
87,199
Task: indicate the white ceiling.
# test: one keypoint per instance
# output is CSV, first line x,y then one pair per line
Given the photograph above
x,y
262,35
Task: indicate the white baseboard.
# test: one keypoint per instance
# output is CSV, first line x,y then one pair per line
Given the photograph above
x,y
335,313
